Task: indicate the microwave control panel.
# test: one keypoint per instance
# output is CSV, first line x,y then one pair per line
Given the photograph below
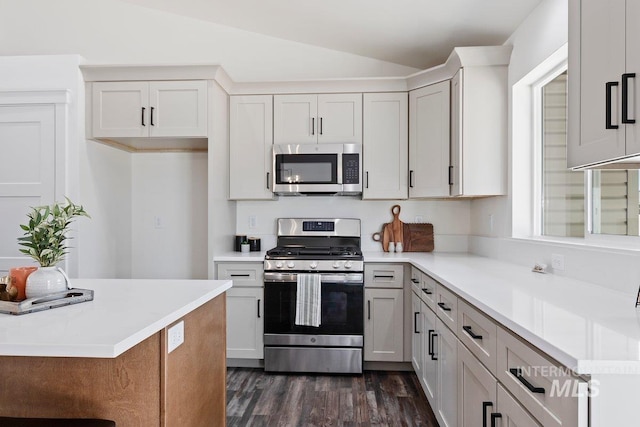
x,y
350,168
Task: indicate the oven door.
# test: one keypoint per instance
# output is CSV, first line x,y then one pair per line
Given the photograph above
x,y
342,300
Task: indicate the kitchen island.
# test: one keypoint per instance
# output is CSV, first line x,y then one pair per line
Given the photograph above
x,y
109,358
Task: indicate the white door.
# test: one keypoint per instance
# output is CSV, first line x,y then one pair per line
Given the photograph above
x,y
383,326
245,323
295,119
27,175
417,334
178,108
120,109
250,150
455,163
447,353
429,141
429,378
633,66
602,61
476,391
340,118
385,146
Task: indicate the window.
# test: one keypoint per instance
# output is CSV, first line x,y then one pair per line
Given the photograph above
x,y
612,195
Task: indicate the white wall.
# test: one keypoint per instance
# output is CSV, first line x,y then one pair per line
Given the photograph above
x,y
116,32
541,35
450,219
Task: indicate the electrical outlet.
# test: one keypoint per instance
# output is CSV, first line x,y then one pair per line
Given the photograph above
x,y
557,262
176,336
418,218
253,221
491,222
158,221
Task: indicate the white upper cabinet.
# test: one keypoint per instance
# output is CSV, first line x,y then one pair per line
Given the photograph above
x,y
149,109
429,141
479,132
310,119
385,145
603,61
250,147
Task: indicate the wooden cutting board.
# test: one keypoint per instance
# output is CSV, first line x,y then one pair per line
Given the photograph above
x,y
418,237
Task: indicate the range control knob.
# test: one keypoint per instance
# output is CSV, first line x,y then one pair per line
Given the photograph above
x,y
279,264
313,265
348,264
336,265
291,264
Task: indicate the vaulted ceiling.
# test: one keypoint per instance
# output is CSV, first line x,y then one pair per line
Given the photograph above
x,y
416,33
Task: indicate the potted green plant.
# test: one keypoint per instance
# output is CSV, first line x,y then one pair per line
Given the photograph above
x,y
45,241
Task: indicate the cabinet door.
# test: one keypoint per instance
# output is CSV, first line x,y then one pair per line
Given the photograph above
x,y
633,66
602,60
476,391
455,169
383,326
245,324
120,109
250,148
417,335
178,108
429,379
447,353
429,141
339,118
511,413
295,119
385,145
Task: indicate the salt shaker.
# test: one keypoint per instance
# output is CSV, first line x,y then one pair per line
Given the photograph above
x,y
399,247
391,247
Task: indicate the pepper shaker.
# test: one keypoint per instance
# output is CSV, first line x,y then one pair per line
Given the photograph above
x,y
391,247
399,247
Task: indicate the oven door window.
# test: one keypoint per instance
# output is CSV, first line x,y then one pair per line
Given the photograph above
x,y
341,310
306,169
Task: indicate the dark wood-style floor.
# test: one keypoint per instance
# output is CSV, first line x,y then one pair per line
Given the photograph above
x,y
376,398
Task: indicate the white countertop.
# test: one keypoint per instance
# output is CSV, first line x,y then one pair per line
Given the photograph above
x,y
122,314
589,328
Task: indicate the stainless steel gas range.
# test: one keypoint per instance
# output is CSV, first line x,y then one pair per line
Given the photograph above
x,y
326,251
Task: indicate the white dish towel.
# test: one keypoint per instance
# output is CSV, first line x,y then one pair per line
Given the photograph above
x,y
308,300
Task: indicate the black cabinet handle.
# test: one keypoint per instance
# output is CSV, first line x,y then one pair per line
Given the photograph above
x,y
625,97
415,281
382,276
368,309
415,322
443,307
427,291
608,124
239,275
142,117
450,175
485,405
468,330
517,372
367,179
494,416
152,108
410,179
432,345
268,173
313,125
320,125
258,308
430,350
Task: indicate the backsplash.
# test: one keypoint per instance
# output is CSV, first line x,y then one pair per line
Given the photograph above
x,y
450,218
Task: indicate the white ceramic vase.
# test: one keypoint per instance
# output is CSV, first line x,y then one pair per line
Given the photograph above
x,y
46,280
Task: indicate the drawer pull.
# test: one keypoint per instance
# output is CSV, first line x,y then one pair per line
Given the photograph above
x,y
415,322
381,276
517,372
258,308
443,307
432,351
485,405
240,275
468,330
415,280
427,291
494,416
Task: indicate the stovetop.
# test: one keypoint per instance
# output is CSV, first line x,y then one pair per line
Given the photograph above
x,y
311,252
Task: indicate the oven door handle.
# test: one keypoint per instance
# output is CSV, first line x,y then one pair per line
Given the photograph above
x,y
356,279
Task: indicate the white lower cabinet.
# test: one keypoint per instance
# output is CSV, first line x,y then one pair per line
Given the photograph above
x,y
446,351
476,390
429,378
383,325
245,324
416,336
245,309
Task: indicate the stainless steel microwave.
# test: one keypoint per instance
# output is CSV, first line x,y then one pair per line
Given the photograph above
x,y
308,169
